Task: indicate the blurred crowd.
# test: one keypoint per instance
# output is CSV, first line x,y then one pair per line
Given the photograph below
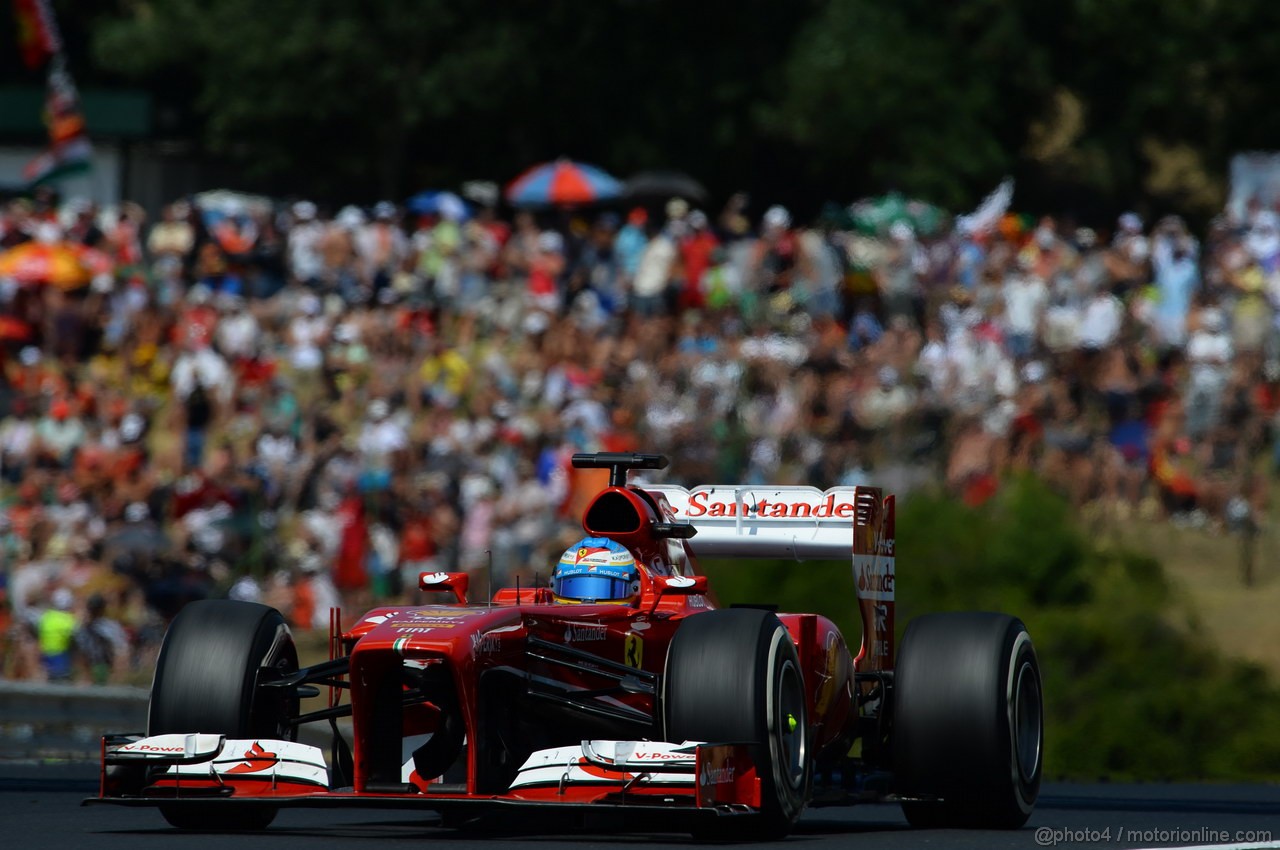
x,y
308,407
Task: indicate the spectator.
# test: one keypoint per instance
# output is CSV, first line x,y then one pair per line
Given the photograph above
x,y
1174,259
1209,355
172,237
653,275
100,642
306,263
1025,298
1100,324
631,243
899,284
56,629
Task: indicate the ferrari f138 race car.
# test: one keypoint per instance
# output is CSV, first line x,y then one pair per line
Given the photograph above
x,y
619,691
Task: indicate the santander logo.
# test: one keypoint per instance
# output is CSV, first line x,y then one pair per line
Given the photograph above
x,y
703,503
255,759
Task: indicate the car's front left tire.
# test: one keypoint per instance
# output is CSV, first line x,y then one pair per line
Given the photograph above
x,y
734,675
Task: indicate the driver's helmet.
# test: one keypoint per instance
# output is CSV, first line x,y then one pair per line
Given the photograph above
x,y
596,569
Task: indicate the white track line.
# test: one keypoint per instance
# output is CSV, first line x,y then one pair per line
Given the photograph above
x,y
1262,845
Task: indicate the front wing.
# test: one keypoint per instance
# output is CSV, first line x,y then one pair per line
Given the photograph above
x,y
691,781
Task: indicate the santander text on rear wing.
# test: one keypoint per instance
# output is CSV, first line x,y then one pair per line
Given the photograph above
x,y
801,523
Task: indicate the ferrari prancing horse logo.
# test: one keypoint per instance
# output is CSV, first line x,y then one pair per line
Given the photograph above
x,y
633,654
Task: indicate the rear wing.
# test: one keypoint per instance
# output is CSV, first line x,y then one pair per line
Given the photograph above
x,y
803,523
798,523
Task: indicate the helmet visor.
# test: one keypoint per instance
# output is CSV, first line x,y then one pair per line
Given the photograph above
x,y
596,587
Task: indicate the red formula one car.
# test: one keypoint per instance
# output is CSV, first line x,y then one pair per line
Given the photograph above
x,y
664,710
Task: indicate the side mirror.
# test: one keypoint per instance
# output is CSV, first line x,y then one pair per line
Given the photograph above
x,y
682,585
455,583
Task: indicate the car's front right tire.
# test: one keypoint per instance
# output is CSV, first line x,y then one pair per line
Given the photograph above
x,y
206,680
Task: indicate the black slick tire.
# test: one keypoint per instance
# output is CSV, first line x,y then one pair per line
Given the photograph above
x,y
207,681
968,724
734,676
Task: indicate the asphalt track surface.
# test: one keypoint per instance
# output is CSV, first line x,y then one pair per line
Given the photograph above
x,y
40,807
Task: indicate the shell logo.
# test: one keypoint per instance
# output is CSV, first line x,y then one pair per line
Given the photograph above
x,y
614,775
255,759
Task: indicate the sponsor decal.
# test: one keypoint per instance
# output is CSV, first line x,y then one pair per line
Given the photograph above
x,y
599,772
485,644
658,755
716,775
426,625
584,632
379,619
701,504
697,601
633,651
434,578
422,630
719,770
874,577
680,581
443,614
255,759
150,748
882,618
640,625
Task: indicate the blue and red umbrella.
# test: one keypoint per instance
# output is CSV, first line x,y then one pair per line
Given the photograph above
x,y
562,183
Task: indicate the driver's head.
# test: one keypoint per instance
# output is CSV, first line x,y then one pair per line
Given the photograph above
x,y
596,569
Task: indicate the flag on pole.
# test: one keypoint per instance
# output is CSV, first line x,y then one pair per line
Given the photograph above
x,y
37,36
990,211
69,148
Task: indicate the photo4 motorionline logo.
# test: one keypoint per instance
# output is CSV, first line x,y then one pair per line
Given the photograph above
x,y
1048,836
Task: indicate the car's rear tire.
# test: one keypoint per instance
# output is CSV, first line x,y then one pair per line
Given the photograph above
x,y
734,675
968,721
206,680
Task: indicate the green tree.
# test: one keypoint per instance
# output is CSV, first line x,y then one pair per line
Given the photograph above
x,y
283,85
929,98
332,96
1095,103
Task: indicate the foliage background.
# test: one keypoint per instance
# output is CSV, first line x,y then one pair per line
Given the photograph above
x,y
1094,105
